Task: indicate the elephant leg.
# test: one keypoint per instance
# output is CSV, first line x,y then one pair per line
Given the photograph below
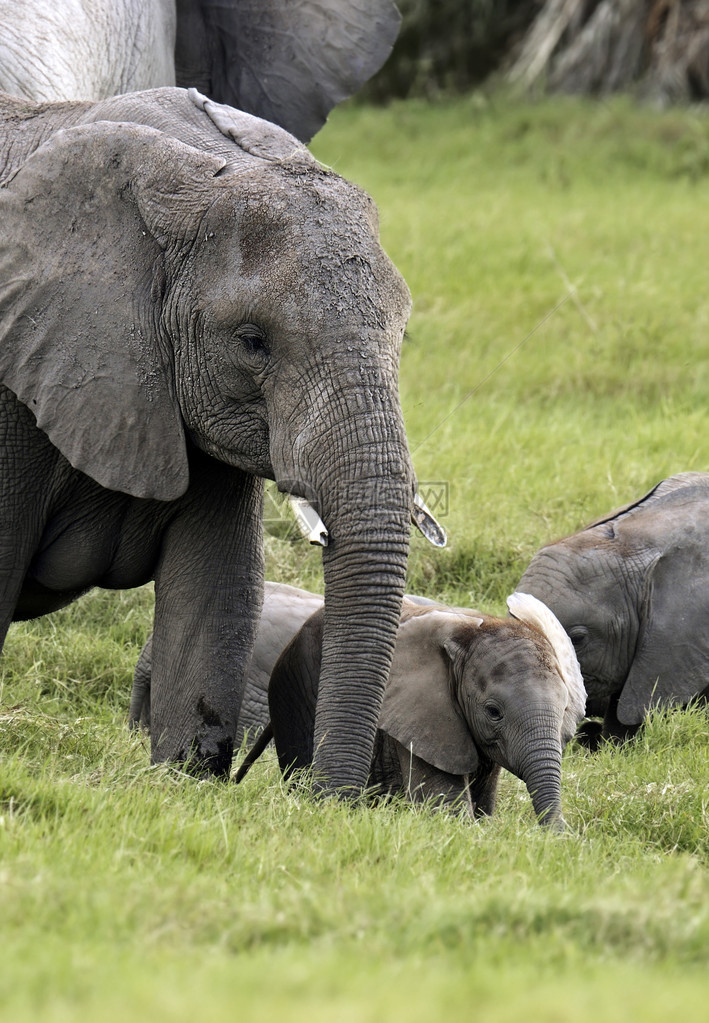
x,y
422,782
590,735
483,789
254,706
27,461
208,594
139,714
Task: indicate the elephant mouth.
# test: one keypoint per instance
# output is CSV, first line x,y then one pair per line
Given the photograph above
x,y
315,531
598,692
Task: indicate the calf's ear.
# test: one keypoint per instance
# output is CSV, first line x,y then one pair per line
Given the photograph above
x,y
529,609
419,709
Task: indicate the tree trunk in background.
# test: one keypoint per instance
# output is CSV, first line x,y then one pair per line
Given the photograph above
x,y
658,48
449,46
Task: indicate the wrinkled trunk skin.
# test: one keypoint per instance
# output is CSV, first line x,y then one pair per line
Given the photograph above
x,y
364,584
541,773
359,469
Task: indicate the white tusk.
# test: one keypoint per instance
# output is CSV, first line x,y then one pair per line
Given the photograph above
x,y
426,523
309,522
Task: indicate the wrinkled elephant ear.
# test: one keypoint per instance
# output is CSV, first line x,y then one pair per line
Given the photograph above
x,y
671,662
288,61
80,276
419,708
533,611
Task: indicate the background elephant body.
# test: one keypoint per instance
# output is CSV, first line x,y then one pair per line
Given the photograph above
x,y
632,591
189,302
285,609
467,695
288,63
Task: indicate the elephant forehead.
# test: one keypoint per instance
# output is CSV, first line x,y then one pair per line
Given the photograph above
x,y
316,206
512,652
327,258
572,564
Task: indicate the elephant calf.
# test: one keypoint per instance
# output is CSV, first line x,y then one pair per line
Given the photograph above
x,y
468,694
632,592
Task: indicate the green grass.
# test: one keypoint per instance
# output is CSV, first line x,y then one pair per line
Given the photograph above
x,y
573,231
131,891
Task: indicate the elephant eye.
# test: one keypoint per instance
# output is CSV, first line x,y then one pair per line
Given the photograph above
x,y
252,339
493,712
578,634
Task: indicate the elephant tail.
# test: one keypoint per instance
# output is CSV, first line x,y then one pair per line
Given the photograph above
x,y
254,753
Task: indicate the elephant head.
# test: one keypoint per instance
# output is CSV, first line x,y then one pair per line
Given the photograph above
x,y
157,298
286,62
630,590
467,694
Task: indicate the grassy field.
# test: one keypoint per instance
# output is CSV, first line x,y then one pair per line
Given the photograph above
x,y
556,367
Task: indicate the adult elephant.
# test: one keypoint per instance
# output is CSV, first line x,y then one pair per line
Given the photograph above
x,y
287,62
632,591
188,302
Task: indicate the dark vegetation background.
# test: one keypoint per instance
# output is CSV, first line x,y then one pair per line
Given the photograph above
x,y
657,48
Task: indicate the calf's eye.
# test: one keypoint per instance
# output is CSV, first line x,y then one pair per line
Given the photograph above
x,y
578,634
493,711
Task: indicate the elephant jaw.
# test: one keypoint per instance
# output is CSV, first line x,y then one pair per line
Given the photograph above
x,y
315,531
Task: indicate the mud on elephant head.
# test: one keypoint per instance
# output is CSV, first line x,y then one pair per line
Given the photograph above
x,y
632,592
468,694
188,302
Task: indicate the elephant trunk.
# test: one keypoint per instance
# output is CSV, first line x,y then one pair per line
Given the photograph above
x,y
364,586
541,773
360,472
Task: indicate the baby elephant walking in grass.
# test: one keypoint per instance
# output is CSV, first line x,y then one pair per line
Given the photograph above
x,y
467,694
285,608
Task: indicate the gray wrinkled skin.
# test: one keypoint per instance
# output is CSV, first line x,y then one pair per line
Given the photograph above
x,y
285,609
189,302
632,592
467,695
288,61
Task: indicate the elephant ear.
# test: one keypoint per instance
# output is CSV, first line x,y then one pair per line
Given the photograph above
x,y
81,273
671,662
529,609
419,709
681,481
288,61
254,135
